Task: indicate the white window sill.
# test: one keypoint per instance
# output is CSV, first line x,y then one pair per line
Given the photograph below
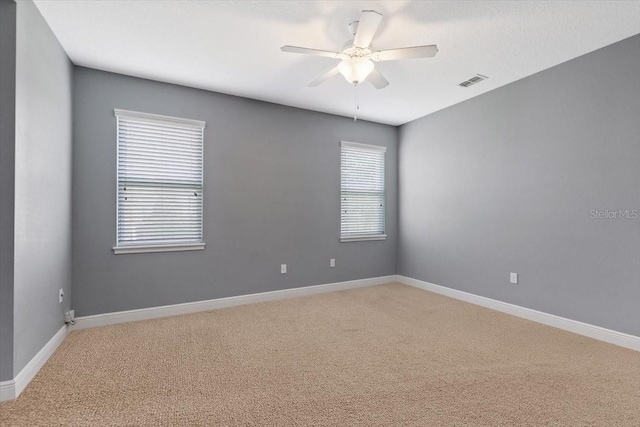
x,y
363,238
173,247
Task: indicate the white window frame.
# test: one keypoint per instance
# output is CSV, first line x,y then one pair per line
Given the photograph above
x,y
119,249
364,237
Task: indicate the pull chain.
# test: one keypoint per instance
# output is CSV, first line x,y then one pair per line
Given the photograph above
x,y
355,113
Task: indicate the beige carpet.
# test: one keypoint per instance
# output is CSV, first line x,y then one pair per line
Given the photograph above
x,y
379,356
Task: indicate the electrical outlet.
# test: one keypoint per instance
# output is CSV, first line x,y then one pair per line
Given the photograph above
x,y
283,268
69,316
60,296
513,278
332,262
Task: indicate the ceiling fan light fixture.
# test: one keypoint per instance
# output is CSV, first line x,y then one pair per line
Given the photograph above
x,y
355,70
357,56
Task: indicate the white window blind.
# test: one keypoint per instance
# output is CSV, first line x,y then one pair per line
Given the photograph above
x,y
362,192
159,182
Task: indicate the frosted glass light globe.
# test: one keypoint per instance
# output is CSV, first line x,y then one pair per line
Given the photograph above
x,y
355,70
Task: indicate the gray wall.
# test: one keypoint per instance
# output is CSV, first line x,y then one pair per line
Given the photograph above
x,y
271,196
506,182
42,184
7,168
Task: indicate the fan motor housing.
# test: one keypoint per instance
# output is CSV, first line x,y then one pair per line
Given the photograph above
x,y
356,52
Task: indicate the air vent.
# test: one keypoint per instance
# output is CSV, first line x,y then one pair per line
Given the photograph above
x,y
473,80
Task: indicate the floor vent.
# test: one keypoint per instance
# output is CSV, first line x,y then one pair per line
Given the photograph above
x,y
473,80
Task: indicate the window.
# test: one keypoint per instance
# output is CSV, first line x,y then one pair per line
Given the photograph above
x,y
159,172
362,192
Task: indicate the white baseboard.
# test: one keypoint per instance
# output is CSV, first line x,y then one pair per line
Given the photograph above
x,y
596,332
7,390
198,306
10,390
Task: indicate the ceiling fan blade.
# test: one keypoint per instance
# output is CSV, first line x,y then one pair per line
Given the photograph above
x,y
308,51
367,27
317,82
406,53
377,80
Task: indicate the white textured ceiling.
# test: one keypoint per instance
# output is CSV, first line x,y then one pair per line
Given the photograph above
x,y
234,46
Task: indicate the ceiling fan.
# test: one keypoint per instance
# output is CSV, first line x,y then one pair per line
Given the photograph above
x,y
358,56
